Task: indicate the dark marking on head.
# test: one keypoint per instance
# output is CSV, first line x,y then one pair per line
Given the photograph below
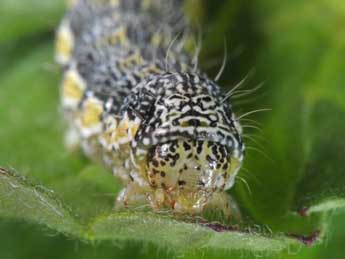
x,y
181,183
186,146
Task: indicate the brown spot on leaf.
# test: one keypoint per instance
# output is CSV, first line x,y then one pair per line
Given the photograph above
x,y
307,240
303,212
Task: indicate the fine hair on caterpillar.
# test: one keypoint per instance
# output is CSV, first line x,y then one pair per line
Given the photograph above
x,y
134,97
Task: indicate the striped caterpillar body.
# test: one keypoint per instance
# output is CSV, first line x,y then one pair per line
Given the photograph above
x,y
134,99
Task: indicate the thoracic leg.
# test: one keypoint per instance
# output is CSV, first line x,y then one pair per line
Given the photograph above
x,y
132,195
72,139
223,202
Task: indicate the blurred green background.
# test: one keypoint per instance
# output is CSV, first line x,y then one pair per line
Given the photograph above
x,y
295,47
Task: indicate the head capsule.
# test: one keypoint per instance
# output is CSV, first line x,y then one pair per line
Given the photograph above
x,y
189,139
190,171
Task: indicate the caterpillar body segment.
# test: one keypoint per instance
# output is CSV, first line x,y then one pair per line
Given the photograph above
x,y
134,100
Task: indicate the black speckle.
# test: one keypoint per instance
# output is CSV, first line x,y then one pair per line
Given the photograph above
x,y
186,146
199,149
181,182
175,122
155,163
207,99
174,159
209,159
163,174
214,149
172,149
194,122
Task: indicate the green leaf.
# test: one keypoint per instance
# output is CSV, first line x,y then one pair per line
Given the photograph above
x,y
25,201
322,187
295,47
19,19
304,132
22,200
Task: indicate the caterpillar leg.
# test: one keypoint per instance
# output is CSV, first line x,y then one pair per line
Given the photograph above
x,y
72,139
132,195
226,205
135,196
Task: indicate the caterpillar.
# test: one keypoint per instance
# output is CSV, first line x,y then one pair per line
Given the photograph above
x,y
135,100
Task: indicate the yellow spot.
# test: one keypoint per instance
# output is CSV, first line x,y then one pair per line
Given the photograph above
x,y
156,39
91,113
146,4
114,3
118,133
118,37
73,87
132,60
125,132
154,69
127,129
71,3
64,44
122,130
184,124
133,130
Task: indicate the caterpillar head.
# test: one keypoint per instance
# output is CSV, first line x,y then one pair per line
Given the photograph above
x,y
192,141
190,171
